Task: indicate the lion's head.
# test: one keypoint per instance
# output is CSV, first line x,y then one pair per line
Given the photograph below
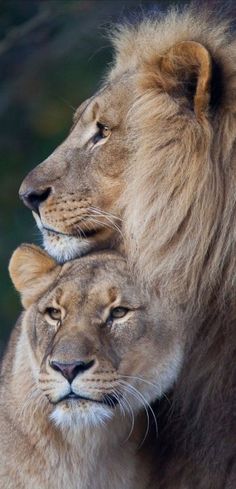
x,y
93,342
152,153
74,193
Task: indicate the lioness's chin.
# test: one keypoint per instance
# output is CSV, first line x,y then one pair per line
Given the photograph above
x,y
65,248
83,414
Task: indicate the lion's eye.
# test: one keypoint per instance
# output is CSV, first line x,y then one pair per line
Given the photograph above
x,y
102,133
118,312
53,313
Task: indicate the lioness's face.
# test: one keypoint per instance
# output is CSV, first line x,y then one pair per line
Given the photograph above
x,y
95,344
74,193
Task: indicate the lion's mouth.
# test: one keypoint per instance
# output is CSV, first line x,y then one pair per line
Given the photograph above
x,y
82,234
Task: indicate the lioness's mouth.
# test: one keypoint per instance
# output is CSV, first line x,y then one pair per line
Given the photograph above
x,y
107,399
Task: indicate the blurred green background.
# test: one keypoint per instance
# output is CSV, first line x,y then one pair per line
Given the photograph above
x,y
53,54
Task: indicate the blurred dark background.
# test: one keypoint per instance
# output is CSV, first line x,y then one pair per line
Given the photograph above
x,y
53,54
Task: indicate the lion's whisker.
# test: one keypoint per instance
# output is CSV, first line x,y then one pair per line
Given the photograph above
x,y
109,226
106,213
112,224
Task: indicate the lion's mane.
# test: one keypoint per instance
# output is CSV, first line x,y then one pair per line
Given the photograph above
x,y
180,226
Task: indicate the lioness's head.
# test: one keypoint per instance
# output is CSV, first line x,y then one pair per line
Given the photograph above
x,y
93,342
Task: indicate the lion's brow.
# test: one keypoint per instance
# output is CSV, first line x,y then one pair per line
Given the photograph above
x,y
81,109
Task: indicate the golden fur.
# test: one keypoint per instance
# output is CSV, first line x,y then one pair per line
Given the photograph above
x,y
166,167
68,342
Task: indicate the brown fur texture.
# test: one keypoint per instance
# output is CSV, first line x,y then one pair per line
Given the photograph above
x,y
168,168
87,331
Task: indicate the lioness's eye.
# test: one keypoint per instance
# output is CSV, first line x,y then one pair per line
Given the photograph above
x,y
102,133
53,313
118,312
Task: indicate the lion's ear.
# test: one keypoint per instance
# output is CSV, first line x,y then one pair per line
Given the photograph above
x,y
188,66
32,271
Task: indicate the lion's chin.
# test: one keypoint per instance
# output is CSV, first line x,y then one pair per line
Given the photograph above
x,y
64,248
80,415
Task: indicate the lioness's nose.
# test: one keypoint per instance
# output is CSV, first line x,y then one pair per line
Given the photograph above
x,y
33,198
71,370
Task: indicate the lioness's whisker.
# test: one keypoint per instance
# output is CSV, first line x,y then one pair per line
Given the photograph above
x,y
139,396
130,410
119,401
136,394
147,382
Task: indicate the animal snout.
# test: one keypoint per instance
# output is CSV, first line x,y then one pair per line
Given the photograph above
x,y
71,370
32,198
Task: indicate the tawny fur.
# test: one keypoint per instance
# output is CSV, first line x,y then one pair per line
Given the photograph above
x,y
49,440
168,171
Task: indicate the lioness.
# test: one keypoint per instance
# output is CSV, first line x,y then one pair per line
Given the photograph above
x,y
87,358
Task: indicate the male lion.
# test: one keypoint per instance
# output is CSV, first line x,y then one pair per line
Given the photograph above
x,y
80,365
153,154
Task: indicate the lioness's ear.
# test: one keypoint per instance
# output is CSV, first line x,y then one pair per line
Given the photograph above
x,y
31,270
188,65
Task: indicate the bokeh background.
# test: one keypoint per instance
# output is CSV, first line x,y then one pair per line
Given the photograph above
x,y
53,54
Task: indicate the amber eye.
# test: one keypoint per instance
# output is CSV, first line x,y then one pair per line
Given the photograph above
x,y
118,312
53,313
102,133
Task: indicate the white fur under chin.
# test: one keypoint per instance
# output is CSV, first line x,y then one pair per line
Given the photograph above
x,y
67,248
76,418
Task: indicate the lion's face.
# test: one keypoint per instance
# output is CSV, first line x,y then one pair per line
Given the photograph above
x,y
74,193
95,345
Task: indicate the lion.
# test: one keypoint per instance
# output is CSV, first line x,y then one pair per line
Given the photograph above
x,y
83,365
149,167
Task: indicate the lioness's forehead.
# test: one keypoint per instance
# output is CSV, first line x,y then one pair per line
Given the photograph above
x,y
102,264
101,278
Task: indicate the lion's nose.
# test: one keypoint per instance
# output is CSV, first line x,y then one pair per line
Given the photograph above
x,y
33,198
71,370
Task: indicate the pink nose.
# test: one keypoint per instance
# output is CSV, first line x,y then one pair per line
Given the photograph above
x,y
71,370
